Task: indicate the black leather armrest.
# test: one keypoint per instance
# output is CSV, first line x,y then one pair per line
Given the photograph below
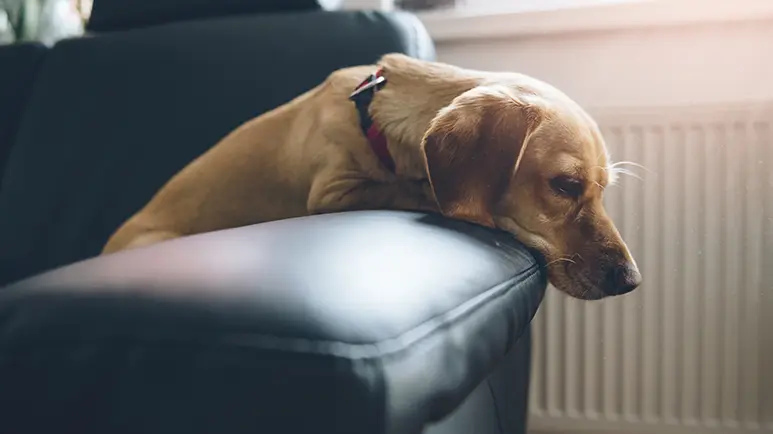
x,y
369,322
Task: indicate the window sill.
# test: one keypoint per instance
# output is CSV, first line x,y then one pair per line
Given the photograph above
x,y
589,15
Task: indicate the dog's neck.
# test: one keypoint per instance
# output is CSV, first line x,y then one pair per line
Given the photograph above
x,y
415,91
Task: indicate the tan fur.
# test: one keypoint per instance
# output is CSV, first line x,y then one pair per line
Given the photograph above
x,y
457,137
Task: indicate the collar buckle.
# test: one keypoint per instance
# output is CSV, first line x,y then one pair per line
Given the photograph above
x,y
374,82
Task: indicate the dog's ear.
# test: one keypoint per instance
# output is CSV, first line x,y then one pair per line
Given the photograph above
x,y
472,148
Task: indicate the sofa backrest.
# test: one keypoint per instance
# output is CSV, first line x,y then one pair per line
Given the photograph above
x,y
19,65
115,114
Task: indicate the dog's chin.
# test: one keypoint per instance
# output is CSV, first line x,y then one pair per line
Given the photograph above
x,y
587,295
574,286
580,292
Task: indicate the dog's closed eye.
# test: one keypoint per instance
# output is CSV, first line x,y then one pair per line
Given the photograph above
x,y
567,186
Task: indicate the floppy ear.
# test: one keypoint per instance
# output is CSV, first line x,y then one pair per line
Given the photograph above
x,y
472,148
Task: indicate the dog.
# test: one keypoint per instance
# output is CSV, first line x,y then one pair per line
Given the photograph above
x,y
502,150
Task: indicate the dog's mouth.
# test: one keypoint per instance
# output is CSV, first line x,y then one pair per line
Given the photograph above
x,y
534,241
580,286
569,274
568,279
573,283
594,282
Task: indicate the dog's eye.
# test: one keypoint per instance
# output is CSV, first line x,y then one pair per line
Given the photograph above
x,y
567,186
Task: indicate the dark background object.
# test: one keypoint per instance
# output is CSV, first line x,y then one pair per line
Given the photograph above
x,y
420,5
120,15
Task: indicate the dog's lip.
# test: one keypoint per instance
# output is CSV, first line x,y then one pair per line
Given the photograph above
x,y
525,233
589,291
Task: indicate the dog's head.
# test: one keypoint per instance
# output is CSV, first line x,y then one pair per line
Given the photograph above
x,y
536,166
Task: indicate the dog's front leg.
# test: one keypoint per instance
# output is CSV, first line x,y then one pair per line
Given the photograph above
x,y
353,194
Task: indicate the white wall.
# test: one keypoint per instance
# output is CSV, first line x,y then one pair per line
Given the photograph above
x,y
696,64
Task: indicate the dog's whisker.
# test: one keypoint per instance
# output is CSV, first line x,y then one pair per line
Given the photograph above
x,y
560,260
611,174
629,163
614,170
629,173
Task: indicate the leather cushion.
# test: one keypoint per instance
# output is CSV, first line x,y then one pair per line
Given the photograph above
x,y
19,64
366,322
126,14
112,117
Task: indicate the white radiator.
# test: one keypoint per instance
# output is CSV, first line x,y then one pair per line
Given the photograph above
x,y
691,351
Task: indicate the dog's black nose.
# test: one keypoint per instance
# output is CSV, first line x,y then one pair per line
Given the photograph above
x,y
622,279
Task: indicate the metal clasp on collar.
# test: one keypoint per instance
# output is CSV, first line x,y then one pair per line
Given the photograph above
x,y
373,83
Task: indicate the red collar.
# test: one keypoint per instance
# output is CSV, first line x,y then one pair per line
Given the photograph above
x,y
362,97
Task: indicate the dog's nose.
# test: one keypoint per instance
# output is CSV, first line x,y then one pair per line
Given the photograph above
x,y
622,279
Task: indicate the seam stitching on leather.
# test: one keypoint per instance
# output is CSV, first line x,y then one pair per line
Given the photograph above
x,y
495,404
376,350
453,314
373,350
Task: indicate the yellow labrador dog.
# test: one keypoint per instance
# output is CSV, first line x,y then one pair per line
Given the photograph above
x,y
502,150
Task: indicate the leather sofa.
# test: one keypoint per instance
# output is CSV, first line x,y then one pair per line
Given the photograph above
x,y
360,322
